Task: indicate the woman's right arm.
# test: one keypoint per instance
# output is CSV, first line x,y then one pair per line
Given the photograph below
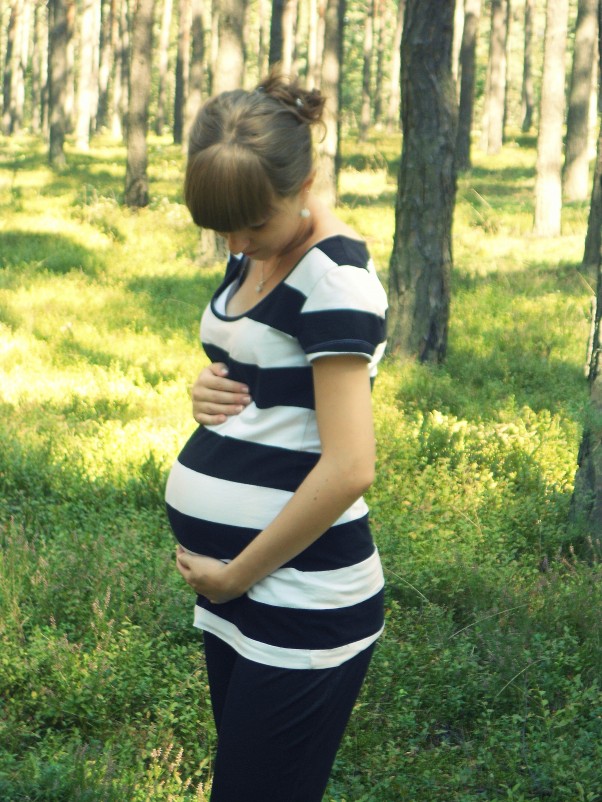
x,y
215,397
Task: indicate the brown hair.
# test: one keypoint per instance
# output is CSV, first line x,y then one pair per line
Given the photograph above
x,y
248,148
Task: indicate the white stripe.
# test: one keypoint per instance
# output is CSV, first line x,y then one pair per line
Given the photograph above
x,y
278,656
348,288
283,427
321,590
233,503
253,343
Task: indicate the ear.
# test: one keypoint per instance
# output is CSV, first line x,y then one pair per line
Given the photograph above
x,y
308,183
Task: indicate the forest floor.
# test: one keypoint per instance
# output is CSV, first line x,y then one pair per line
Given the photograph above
x,y
487,684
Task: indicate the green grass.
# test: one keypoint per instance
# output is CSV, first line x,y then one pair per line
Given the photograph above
x,y
487,682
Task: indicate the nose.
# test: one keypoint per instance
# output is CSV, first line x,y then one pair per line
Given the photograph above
x,y
237,241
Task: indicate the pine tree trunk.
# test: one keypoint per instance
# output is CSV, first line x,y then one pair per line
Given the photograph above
x,y
492,133
105,63
182,70
548,181
289,24
329,153
458,36
366,111
118,98
58,41
379,79
197,68
393,110
39,68
528,92
163,66
136,179
230,57
421,261
576,160
472,11
593,239
264,37
87,49
14,72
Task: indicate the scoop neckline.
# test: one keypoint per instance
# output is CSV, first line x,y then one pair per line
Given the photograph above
x,y
246,259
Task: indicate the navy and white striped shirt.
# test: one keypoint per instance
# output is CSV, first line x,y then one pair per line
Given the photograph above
x,y
232,480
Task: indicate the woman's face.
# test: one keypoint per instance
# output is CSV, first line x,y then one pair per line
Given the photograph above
x,y
271,236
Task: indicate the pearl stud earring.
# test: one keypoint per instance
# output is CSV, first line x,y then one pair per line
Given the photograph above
x,y
305,213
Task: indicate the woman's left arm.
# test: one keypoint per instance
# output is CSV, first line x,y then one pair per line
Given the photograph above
x,y
344,471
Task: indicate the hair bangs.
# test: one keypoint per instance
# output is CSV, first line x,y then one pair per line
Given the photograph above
x,y
226,188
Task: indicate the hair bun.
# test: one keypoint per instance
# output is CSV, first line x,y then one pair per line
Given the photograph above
x,y
307,104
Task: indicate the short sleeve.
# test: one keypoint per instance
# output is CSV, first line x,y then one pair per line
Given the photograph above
x,y
345,313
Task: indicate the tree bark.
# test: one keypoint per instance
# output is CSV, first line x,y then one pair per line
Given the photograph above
x,y
39,68
379,78
85,88
230,57
119,105
528,91
329,149
421,261
492,133
136,179
393,110
197,69
366,110
14,71
107,49
548,181
163,66
58,40
593,239
182,70
472,11
282,33
576,160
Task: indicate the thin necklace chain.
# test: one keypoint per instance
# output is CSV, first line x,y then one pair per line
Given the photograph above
x,y
264,279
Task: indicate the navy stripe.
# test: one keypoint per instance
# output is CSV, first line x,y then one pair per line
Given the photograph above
x,y
345,251
281,309
291,628
242,461
340,547
319,330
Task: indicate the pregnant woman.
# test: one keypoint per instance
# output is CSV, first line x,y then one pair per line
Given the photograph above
x,y
265,499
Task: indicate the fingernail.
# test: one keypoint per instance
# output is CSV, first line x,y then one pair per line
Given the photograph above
x,y
247,399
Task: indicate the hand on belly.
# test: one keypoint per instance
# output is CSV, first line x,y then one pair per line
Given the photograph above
x,y
206,575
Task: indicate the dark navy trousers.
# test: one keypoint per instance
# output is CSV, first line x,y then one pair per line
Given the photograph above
x,y
278,728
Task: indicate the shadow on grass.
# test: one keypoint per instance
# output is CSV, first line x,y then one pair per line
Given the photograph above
x,y
54,253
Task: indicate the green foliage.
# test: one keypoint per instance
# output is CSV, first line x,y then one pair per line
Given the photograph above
x,y
487,682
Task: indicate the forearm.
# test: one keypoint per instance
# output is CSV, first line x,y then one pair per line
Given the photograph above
x,y
325,494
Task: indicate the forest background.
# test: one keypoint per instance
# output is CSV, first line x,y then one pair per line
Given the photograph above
x,y
486,683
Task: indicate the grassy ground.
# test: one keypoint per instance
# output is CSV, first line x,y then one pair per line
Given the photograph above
x,y
486,684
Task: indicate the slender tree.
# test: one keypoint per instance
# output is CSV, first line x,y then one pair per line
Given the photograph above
x,y
472,11
163,59
329,149
586,503
528,91
576,160
39,69
366,111
58,40
492,130
136,178
197,68
421,261
86,86
230,57
106,52
182,69
548,181
393,109
14,70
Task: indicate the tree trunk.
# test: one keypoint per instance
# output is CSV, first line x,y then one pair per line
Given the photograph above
x,y
182,70
136,179
39,68
593,239
393,110
548,183
107,50
87,52
366,111
421,261
163,66
576,160
70,77
492,133
458,36
230,57
379,80
528,92
197,69
329,149
282,33
264,37
472,11
58,40
14,71
119,106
